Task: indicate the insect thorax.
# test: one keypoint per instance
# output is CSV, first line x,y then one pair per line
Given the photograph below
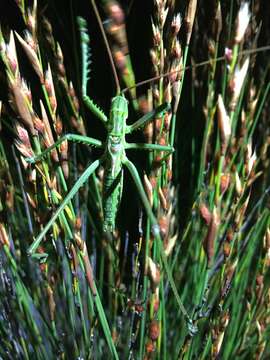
x,y
118,116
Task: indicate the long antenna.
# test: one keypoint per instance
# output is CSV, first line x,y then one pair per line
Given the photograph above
x,y
107,47
205,62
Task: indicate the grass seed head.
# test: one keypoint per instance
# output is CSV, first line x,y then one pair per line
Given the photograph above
x,y
242,22
32,56
154,330
22,105
176,24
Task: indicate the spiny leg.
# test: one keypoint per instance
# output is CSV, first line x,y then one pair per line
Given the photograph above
x,y
155,230
83,178
85,71
147,117
149,147
70,137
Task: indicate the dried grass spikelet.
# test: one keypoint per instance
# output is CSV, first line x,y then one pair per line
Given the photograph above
x,y
73,97
154,273
149,189
220,337
164,226
218,21
51,302
32,57
4,236
238,184
241,212
209,240
49,85
58,126
60,64
156,35
176,50
205,213
224,124
242,22
22,105
170,244
225,180
250,159
226,249
163,199
154,330
150,348
64,158
22,143
31,200
31,20
115,12
167,96
162,16
237,83
176,24
11,55
88,269
48,136
189,18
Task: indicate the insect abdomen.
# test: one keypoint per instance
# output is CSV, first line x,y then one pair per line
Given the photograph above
x,y
112,192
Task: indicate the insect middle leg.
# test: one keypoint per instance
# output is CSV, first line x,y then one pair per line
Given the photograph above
x,y
70,137
147,117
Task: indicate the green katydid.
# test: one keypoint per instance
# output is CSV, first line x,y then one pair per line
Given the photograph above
x,y
113,160
114,156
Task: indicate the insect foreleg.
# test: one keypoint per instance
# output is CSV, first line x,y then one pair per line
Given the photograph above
x,y
83,178
147,117
70,137
85,71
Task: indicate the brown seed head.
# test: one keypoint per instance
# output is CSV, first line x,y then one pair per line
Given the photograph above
x,y
205,213
189,18
226,249
38,124
22,106
150,347
176,24
164,225
154,330
32,57
149,189
224,183
154,273
120,59
242,22
176,51
115,12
